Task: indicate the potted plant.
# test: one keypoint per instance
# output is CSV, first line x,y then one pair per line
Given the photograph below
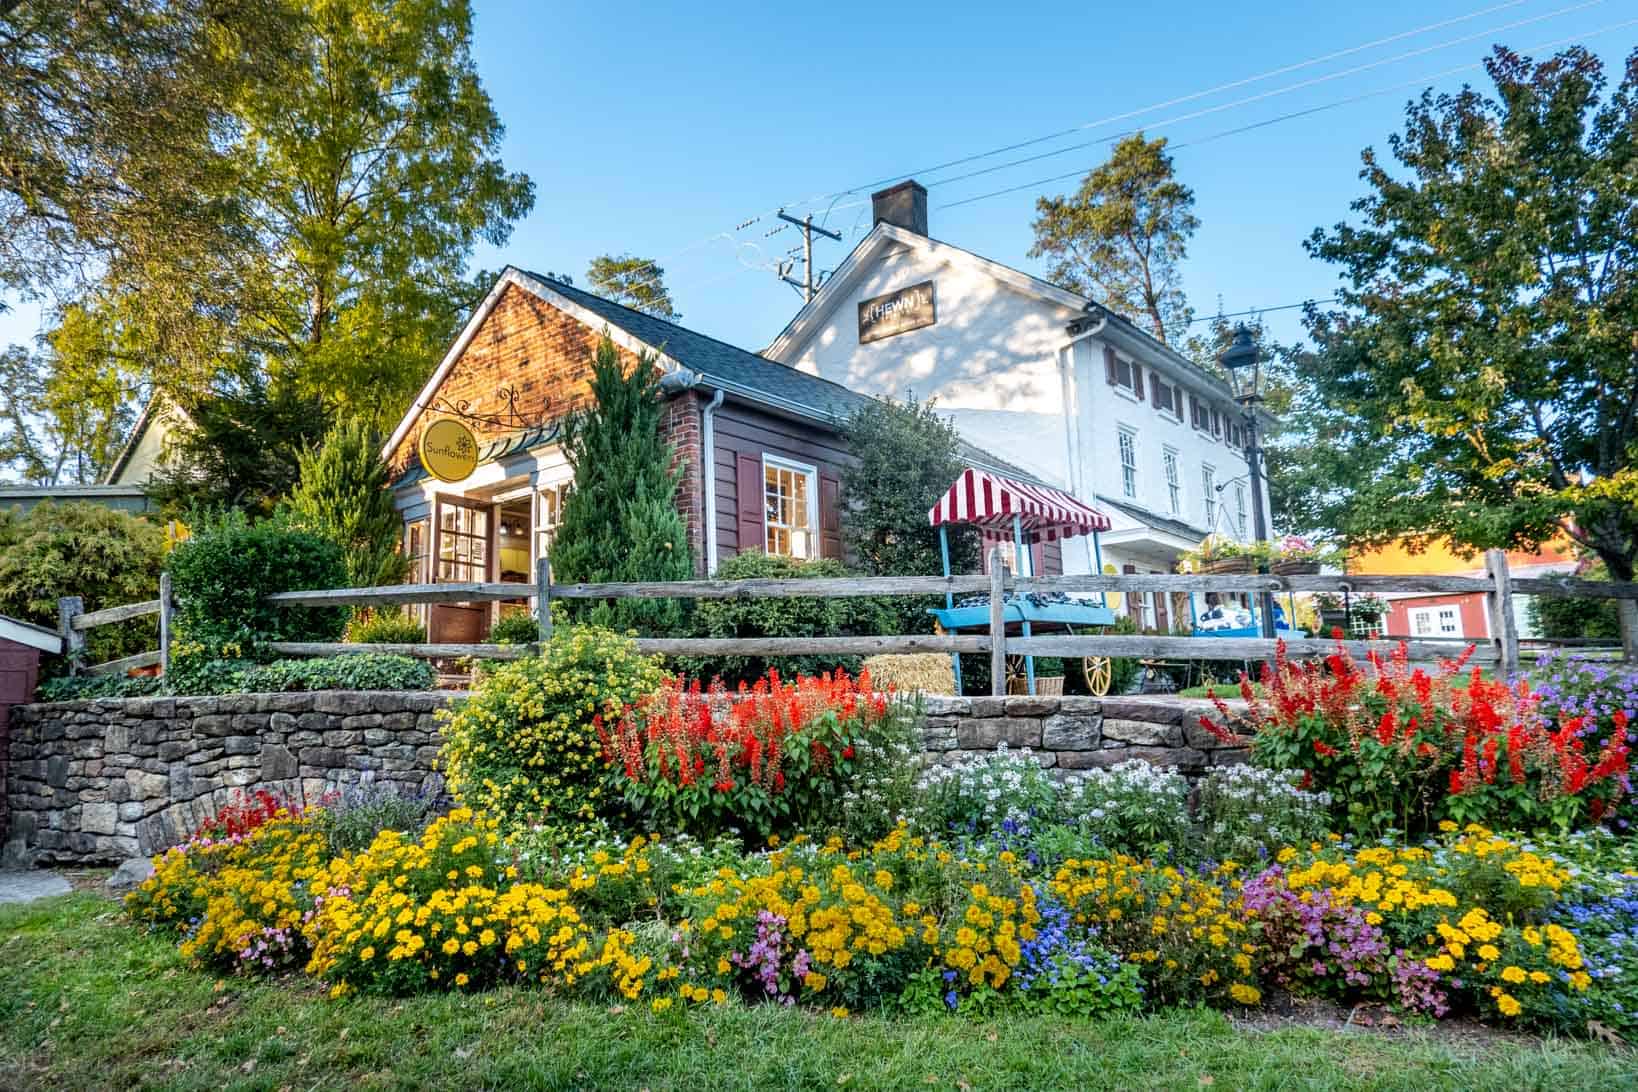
x,y
1225,555
1369,610
1332,615
1297,556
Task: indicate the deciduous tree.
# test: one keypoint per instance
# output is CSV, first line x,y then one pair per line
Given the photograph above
x,y
1487,338
1120,238
639,283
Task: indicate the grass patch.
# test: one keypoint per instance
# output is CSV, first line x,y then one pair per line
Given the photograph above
x,y
93,1002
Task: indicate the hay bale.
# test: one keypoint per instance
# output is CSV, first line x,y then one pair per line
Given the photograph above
x,y
926,673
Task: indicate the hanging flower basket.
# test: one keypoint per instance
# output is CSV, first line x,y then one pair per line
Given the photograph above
x,y
1293,567
1243,563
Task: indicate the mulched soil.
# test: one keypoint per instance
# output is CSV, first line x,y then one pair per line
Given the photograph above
x,y
1280,1010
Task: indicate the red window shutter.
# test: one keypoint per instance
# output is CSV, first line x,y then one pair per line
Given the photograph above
x,y
753,535
1137,379
830,515
1109,366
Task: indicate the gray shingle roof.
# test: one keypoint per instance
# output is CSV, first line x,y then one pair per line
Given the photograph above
x,y
719,361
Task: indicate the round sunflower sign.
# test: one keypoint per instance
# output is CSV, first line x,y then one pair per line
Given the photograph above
x,y
449,451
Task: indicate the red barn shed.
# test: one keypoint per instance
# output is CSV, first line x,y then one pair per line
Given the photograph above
x,y
20,646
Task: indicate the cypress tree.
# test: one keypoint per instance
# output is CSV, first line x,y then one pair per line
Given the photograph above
x,y
620,522
343,495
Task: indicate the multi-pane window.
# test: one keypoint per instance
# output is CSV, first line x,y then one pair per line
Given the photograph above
x,y
1435,622
1240,509
463,543
1208,494
1128,463
789,494
549,516
1174,483
417,545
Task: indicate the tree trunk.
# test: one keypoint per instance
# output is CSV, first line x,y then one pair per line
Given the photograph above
x,y
1620,567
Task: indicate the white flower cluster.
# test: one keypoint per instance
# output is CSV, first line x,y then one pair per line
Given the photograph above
x,y
989,792
1134,806
1249,813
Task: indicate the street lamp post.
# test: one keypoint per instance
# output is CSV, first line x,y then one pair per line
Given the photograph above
x,y
1243,363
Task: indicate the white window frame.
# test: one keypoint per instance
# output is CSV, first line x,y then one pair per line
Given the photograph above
x,y
1240,510
545,537
1173,473
1208,495
812,472
1433,617
1174,410
1126,440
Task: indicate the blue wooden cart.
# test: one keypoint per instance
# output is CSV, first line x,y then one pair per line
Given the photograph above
x,y
1026,514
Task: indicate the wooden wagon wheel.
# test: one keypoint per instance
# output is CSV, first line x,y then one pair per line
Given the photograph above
x,y
1098,671
1016,672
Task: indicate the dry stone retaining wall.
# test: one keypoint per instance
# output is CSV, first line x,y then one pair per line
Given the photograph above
x,y
1078,733
109,780
93,781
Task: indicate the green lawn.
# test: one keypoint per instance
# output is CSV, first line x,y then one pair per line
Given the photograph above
x,y
90,1002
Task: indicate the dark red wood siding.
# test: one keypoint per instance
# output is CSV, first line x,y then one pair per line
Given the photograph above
x,y
19,673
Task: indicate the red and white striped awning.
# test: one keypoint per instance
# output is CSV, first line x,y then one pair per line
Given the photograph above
x,y
990,501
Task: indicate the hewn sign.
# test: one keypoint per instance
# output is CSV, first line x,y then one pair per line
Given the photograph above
x,y
449,452
897,312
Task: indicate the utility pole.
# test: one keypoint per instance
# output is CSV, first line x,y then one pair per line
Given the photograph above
x,y
805,285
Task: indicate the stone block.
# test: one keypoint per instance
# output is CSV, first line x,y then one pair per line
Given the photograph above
x,y
242,745
99,818
282,721
1080,705
1029,705
278,763
939,733
1141,733
131,812
988,732
173,750
346,703
148,786
213,724
1185,759
117,738
181,784
1196,736
1064,732
934,705
1231,756
325,757
339,738
988,707
57,770
1161,711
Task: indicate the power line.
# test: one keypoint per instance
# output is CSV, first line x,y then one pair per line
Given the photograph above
x,y
1179,100
1109,138
1243,81
1261,310
1350,100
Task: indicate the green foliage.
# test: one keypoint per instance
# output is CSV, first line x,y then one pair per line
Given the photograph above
x,y
620,522
515,627
352,818
221,575
355,671
907,456
1132,807
753,617
1575,616
91,687
639,283
384,627
197,671
524,746
107,558
1121,237
343,495
239,446
1246,813
114,117
1483,351
59,424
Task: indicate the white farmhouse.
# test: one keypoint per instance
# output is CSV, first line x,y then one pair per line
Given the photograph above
x,y
1042,377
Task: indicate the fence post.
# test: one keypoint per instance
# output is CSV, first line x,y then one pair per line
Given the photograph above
x,y
70,607
543,598
165,623
998,624
1504,627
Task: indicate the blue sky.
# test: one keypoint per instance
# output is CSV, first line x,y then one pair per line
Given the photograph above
x,y
660,129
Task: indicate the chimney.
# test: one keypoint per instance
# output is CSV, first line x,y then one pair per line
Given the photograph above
x,y
904,205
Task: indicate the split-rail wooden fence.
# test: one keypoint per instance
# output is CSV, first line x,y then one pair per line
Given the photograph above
x,y
1501,650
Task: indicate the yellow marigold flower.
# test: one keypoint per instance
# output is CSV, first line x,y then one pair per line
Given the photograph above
x,y
1513,975
1489,953
660,1004
1509,1005
1244,994
840,1012
461,979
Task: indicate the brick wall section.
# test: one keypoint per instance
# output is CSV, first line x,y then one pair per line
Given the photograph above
x,y
681,426
541,352
1078,733
93,781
